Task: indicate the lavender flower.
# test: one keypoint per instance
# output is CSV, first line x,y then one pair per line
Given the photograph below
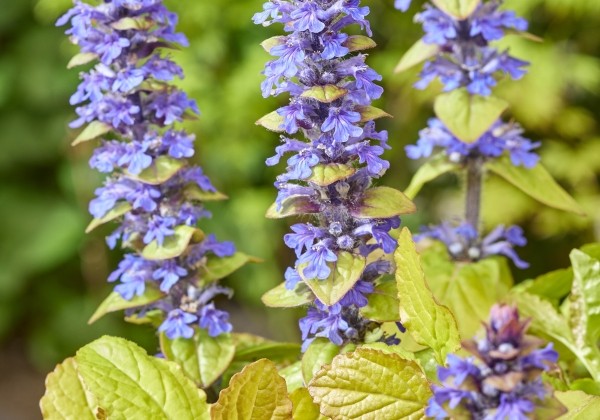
x,y
499,139
152,190
465,57
330,172
463,243
503,380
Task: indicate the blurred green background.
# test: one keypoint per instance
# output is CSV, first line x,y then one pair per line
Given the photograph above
x,y
52,275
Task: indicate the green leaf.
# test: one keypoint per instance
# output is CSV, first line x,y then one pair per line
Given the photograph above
x,y
81,59
272,121
580,405
114,302
383,303
202,358
345,272
584,309
281,297
552,286
325,94
369,113
93,130
173,246
292,206
129,384
359,43
370,384
587,385
127,23
119,210
293,376
419,52
535,182
430,170
326,174
194,192
256,393
468,290
382,203
217,268
274,41
162,169
272,350
304,407
468,117
430,323
65,396
460,9
320,352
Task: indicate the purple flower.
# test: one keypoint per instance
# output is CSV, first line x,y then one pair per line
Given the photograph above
x,y
402,5
177,324
316,258
170,272
340,121
214,320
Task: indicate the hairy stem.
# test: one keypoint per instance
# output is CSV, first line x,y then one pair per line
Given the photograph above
x,y
474,183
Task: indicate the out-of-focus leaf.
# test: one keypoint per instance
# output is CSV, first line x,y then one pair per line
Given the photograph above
x,y
429,323
271,350
304,407
124,379
65,396
468,116
535,182
371,384
419,52
256,393
430,170
293,376
114,302
460,9
381,203
345,272
202,358
580,405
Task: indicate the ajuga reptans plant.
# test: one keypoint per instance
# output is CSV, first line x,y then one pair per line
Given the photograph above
x,y
152,190
335,156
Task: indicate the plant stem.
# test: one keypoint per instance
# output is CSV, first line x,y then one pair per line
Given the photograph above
x,y
474,183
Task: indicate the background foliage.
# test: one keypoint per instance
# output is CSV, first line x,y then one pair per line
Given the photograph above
x,y
52,276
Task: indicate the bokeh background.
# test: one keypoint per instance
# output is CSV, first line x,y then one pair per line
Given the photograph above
x,y
52,275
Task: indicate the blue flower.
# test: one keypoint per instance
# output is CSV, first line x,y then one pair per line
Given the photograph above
x,y
170,272
316,259
177,324
402,5
214,320
304,237
341,122
306,18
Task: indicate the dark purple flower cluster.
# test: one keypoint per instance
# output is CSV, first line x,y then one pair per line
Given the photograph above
x,y
502,381
152,189
463,242
500,138
330,172
465,57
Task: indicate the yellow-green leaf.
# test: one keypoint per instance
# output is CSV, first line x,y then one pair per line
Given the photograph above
x,y
202,358
304,407
272,121
325,94
194,192
383,303
359,43
468,116
282,297
382,203
272,350
65,396
369,384
293,376
173,246
267,44
419,52
292,206
585,297
429,323
162,169
345,272
580,405
93,130
217,268
128,384
320,352
256,393
137,23
369,113
326,174
430,170
81,59
114,302
535,182
460,9
119,210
